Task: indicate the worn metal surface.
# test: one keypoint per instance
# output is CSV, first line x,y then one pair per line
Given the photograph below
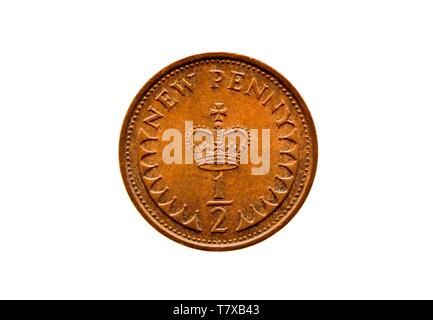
x,y
217,206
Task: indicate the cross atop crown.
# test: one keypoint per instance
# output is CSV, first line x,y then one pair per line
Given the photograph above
x,y
219,111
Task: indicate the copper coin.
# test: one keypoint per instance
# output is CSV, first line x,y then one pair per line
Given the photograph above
x,y
218,151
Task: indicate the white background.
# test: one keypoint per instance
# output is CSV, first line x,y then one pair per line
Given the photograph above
x,y
68,72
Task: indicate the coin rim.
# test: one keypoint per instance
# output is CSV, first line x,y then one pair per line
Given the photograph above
x,y
297,205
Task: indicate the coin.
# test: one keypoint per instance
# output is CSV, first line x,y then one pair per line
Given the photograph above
x,y
218,151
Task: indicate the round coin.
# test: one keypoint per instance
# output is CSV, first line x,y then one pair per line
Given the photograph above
x,y
218,151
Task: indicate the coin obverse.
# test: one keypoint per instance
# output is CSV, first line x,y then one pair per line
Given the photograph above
x,y
218,151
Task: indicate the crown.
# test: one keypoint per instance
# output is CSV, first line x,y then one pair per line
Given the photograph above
x,y
219,148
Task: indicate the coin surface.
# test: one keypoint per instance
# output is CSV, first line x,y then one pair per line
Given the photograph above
x,y
218,151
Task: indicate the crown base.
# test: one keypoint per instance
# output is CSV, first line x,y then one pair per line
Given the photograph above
x,y
218,167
